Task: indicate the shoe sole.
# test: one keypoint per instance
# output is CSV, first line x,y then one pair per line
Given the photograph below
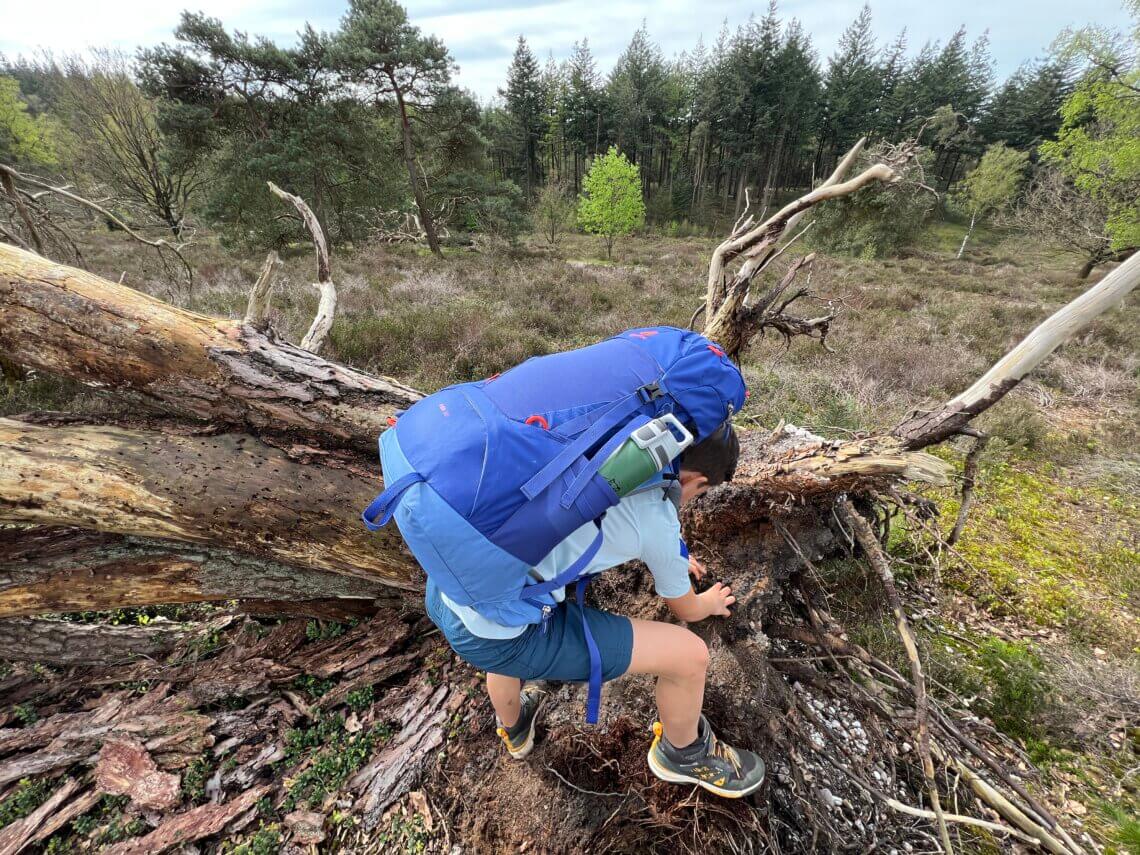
x,y
528,746
677,778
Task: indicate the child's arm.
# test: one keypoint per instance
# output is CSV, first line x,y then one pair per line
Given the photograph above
x,y
693,607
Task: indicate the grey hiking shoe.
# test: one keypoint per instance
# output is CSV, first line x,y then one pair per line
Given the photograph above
x,y
520,738
708,762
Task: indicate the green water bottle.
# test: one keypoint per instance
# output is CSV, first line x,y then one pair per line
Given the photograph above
x,y
648,450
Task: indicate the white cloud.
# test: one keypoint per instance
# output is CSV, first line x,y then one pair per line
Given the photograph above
x,y
481,34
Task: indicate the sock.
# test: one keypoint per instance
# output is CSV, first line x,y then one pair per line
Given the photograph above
x,y
693,750
523,722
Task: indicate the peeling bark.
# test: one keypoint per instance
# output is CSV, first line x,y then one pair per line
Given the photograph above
x,y
205,370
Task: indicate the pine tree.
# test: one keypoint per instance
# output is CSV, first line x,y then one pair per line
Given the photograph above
x,y
526,105
852,88
636,90
380,50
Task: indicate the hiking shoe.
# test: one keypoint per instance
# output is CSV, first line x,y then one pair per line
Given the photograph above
x,y
520,738
708,762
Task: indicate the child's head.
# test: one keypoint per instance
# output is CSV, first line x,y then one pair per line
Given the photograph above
x,y
710,462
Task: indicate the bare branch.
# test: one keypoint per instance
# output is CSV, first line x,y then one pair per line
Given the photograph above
x,y
926,427
257,309
160,244
326,308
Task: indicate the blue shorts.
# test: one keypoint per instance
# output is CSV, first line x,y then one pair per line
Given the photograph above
x,y
560,653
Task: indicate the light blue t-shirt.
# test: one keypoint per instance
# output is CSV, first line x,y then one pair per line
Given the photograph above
x,y
642,526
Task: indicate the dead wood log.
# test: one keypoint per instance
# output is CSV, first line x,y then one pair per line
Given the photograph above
x,y
45,569
229,489
192,368
64,643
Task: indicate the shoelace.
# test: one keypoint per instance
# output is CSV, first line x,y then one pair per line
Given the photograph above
x,y
726,752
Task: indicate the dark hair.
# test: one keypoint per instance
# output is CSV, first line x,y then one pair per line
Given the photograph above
x,y
715,457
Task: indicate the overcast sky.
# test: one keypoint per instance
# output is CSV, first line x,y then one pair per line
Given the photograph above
x,y
481,34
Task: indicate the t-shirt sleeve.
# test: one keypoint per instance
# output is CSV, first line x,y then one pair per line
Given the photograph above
x,y
662,549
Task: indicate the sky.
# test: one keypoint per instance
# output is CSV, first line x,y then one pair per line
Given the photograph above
x,y
481,34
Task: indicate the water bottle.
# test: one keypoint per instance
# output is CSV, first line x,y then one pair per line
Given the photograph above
x,y
648,450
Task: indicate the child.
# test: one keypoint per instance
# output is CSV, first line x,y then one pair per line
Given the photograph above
x,y
642,526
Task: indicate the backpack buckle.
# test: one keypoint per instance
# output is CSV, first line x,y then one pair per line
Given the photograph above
x,y
650,392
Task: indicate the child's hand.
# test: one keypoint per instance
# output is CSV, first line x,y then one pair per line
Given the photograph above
x,y
718,598
696,568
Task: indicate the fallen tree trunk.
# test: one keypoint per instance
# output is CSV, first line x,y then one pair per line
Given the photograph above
x,y
229,490
208,372
45,569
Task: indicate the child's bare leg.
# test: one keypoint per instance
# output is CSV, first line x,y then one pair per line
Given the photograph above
x,y
504,692
679,659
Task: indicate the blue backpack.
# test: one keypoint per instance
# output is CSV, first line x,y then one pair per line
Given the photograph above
x,y
486,478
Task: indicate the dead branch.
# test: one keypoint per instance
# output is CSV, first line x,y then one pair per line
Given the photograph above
x,y
326,308
969,478
927,427
21,209
759,246
159,244
744,236
878,560
257,309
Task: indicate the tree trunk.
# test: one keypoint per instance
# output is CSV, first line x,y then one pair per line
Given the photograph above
x,y
410,163
214,373
969,231
227,489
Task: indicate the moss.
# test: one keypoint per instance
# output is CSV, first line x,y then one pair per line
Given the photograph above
x,y
1058,554
28,795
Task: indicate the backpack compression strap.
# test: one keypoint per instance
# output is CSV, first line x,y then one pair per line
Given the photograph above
x,y
594,692
384,505
612,417
574,573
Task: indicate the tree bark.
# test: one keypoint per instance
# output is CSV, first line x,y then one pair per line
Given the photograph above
x,y
45,569
229,490
207,371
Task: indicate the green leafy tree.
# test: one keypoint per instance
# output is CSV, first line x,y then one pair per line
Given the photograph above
x,y
1098,148
24,138
611,203
992,184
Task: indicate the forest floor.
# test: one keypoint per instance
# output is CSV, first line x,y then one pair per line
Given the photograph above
x,y
1032,621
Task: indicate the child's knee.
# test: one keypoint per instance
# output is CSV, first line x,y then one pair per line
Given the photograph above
x,y
695,659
